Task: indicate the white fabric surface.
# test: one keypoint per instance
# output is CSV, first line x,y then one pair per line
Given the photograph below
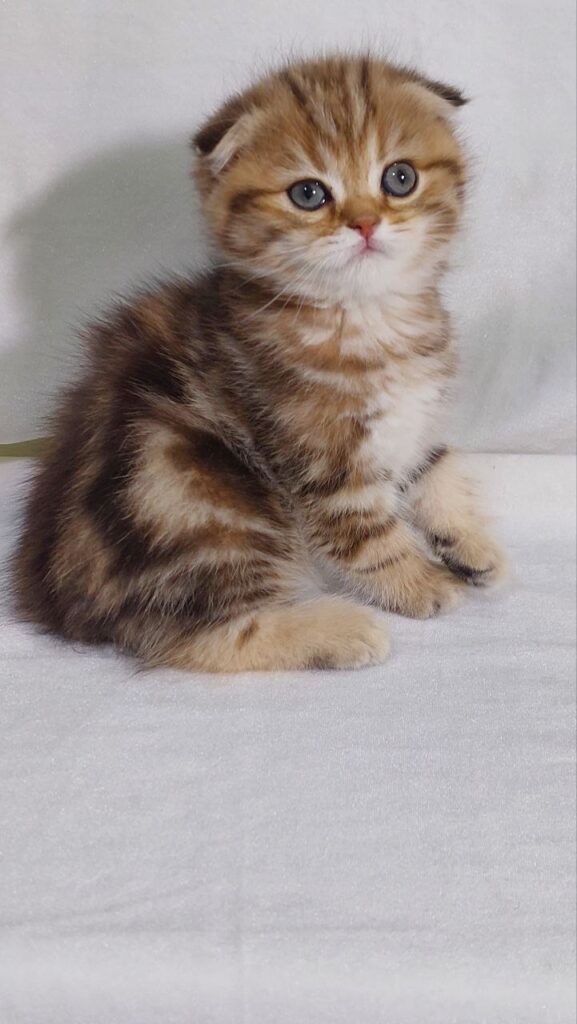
x,y
98,100
388,846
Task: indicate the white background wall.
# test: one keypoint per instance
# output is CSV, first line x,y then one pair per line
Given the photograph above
x,y
99,98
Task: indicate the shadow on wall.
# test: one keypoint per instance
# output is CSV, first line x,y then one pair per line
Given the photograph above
x,y
114,222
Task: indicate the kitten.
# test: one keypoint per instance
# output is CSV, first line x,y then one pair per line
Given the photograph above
x,y
284,412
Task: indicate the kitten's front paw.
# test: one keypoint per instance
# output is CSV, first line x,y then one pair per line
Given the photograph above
x,y
473,558
417,588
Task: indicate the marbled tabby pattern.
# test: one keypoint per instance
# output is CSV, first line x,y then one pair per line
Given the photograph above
x,y
235,434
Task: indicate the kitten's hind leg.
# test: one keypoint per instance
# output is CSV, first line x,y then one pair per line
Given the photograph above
x,y
325,633
443,504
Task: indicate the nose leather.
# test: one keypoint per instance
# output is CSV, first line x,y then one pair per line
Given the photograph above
x,y
366,226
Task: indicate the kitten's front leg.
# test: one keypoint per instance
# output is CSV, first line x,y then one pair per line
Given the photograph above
x,y
363,535
443,504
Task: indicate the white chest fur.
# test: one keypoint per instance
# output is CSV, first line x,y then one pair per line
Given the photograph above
x,y
399,397
406,418
407,404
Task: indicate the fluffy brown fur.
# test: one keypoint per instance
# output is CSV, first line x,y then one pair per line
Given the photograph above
x,y
235,434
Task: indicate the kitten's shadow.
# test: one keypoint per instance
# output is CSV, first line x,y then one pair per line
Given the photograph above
x,y
124,217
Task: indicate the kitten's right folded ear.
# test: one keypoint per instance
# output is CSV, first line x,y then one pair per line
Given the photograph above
x,y
226,133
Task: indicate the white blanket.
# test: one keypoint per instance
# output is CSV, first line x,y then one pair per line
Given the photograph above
x,y
387,846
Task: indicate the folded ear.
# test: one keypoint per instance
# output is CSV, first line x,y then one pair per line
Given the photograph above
x,y
445,92
224,134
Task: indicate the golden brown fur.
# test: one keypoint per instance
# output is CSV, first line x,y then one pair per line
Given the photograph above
x,y
235,434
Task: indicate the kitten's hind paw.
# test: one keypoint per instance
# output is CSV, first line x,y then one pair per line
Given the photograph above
x,y
326,633
349,635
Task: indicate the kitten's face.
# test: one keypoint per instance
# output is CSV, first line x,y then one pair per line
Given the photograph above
x,y
338,180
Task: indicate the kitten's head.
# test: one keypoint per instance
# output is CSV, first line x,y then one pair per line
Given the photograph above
x,y
337,179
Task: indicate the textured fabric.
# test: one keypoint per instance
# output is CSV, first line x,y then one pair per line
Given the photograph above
x,y
387,845
99,99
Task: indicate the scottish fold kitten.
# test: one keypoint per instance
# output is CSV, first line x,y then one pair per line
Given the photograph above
x,y
236,435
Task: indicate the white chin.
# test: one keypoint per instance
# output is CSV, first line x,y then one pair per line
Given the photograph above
x,y
374,275
369,275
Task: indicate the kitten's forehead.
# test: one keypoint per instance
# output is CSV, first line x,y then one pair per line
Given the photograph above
x,y
335,99
345,100
346,124
336,118
344,171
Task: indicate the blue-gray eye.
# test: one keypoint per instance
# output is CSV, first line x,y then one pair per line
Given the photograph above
x,y
399,179
309,195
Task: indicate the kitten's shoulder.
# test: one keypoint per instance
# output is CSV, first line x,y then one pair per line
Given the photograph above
x,y
161,310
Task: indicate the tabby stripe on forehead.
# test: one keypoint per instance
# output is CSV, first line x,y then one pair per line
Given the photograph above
x,y
365,77
305,105
297,92
364,71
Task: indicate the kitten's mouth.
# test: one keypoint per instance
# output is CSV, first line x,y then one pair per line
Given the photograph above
x,y
367,249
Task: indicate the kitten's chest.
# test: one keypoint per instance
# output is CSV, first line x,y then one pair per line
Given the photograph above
x,y
403,417
399,398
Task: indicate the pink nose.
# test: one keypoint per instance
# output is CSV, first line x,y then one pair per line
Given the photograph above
x,y
366,226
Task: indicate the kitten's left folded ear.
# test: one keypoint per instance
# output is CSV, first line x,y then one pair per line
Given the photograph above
x,y
226,132
445,92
